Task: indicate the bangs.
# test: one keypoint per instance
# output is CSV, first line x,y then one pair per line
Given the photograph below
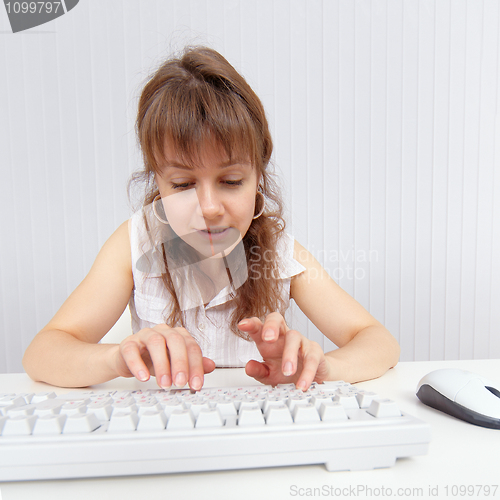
x,y
188,114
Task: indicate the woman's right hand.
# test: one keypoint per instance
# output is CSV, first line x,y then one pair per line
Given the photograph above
x,y
170,354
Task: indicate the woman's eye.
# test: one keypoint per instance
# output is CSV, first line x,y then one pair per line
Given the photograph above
x,y
189,184
181,185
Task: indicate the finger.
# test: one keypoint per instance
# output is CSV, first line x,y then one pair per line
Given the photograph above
x,y
293,342
310,365
273,326
252,326
177,351
269,331
256,370
195,361
131,354
208,365
157,348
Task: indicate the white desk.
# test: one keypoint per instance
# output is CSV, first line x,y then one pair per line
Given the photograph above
x,y
460,454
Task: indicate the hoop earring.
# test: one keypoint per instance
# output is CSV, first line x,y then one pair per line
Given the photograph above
x,y
263,205
155,199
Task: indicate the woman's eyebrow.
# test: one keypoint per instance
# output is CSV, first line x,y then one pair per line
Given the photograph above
x,y
173,164
225,164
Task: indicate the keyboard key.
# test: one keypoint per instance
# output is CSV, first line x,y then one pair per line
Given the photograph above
x,y
74,407
164,399
100,395
209,417
42,396
79,423
123,421
305,414
317,399
49,424
331,411
333,384
152,420
250,403
76,396
180,420
293,401
101,408
193,399
27,409
251,416
346,399
278,415
148,405
125,405
48,406
365,398
286,386
260,399
272,401
197,406
12,401
28,396
381,408
20,425
226,407
237,400
172,406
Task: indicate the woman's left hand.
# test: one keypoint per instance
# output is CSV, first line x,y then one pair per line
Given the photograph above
x,y
287,355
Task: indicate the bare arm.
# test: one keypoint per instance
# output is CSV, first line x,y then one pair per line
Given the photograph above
x,y
66,352
366,348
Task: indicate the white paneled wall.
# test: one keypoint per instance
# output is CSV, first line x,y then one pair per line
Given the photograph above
x,y
387,140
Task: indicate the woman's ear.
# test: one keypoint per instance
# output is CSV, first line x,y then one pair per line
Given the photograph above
x,y
259,179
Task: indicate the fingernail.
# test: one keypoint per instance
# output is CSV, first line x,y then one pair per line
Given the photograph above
x,y
142,376
196,383
243,322
164,382
301,385
268,335
287,371
180,380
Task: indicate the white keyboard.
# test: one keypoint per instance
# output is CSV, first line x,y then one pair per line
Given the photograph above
x,y
93,434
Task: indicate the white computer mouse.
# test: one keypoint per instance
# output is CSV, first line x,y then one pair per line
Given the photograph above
x,y
462,394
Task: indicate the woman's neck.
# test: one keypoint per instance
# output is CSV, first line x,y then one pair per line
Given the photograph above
x,y
215,270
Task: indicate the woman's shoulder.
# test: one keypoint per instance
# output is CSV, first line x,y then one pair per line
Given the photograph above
x,y
120,238
114,256
286,249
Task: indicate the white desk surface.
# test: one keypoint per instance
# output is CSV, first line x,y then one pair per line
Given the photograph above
x,y
460,455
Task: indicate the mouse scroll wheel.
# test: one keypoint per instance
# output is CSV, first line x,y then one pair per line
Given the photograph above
x,y
494,391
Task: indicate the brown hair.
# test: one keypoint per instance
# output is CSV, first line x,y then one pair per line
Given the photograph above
x,y
199,96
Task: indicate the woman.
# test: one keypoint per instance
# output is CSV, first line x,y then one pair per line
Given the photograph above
x,y
206,266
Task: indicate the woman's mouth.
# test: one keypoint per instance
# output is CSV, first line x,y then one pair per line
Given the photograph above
x,y
214,233
214,240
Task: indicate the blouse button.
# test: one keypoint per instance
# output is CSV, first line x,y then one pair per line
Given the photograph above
x,y
201,327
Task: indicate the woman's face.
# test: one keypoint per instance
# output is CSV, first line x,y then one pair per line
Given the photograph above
x,y
210,205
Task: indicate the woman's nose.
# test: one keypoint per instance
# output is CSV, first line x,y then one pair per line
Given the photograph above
x,y
210,203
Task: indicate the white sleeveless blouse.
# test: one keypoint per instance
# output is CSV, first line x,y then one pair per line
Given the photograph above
x,y
208,325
